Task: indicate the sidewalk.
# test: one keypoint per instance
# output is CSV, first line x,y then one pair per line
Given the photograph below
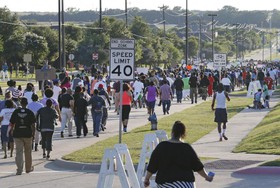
x,y
237,169
225,164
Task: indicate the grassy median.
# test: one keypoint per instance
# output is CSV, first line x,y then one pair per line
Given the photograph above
x,y
265,138
198,119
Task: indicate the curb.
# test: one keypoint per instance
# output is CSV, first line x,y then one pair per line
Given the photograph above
x,y
260,171
70,165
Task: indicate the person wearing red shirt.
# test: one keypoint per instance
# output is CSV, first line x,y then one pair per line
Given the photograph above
x,y
269,81
210,87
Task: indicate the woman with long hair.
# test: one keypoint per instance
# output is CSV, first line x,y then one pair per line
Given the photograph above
x,y
126,105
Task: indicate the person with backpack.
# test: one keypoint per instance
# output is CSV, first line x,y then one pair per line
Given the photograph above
x,y
105,96
22,127
97,103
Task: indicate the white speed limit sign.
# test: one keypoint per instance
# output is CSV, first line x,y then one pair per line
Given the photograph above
x,y
122,59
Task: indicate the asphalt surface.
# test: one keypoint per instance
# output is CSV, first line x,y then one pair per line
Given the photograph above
x,y
232,170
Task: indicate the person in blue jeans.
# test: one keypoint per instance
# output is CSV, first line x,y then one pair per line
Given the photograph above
x,y
165,96
97,104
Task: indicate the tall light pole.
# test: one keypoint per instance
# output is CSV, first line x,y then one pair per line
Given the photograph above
x,y
163,8
100,14
277,33
200,27
126,24
187,33
236,41
63,35
263,46
212,15
59,34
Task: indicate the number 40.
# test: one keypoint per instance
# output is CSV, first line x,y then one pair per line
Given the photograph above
x,y
127,70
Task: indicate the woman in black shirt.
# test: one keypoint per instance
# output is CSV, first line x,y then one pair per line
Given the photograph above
x,y
175,161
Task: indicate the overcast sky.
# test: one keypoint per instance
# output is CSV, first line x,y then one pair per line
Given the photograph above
x,y
51,5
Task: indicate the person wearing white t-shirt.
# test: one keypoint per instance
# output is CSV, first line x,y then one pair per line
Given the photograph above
x,y
226,83
220,97
5,116
138,92
56,90
28,93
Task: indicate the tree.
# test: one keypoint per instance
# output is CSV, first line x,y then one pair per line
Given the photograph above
x,y
139,28
37,46
1,44
10,32
51,36
193,46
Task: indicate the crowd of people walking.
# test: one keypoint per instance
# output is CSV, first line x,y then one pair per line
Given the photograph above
x,y
65,101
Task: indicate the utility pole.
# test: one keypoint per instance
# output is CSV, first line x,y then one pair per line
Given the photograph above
x,y
187,33
59,34
236,41
200,47
100,14
63,35
212,15
263,38
163,8
277,33
126,24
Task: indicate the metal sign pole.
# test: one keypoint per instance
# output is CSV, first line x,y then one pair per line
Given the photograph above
x,y
120,112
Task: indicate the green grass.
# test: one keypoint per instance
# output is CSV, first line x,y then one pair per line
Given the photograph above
x,y
241,92
198,119
265,138
272,163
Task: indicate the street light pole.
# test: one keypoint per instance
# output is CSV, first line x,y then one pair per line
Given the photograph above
x,y
63,35
59,34
163,8
212,15
262,46
236,42
187,33
126,24
100,14
277,33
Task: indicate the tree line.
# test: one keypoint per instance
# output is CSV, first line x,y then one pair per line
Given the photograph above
x,y
154,47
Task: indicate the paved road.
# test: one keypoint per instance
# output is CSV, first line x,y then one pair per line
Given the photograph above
x,y
228,172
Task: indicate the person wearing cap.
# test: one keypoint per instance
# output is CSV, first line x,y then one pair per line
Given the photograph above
x,y
100,81
22,127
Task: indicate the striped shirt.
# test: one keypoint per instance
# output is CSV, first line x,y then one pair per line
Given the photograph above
x,y
177,184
